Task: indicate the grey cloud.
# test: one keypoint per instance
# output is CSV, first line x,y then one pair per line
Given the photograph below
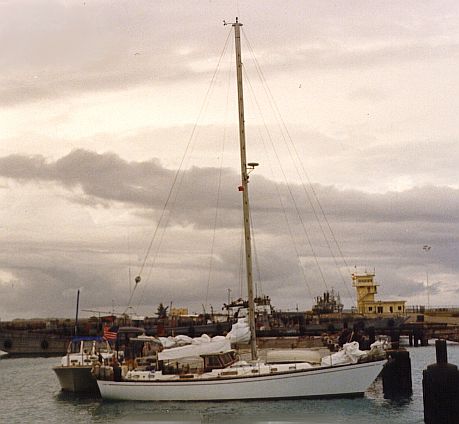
x,y
421,161
129,70
126,72
145,185
52,50
386,231
105,177
46,290
326,57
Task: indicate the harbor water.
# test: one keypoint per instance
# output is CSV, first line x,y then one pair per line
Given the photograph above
x,y
30,393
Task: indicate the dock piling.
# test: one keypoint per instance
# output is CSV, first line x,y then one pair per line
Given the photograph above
x,y
440,385
396,375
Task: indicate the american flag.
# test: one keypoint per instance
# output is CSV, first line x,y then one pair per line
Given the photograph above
x,y
109,333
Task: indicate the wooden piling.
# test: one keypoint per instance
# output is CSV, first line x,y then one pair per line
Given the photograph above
x,y
440,385
396,374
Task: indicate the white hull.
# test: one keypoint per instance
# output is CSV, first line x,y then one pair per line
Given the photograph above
x,y
345,380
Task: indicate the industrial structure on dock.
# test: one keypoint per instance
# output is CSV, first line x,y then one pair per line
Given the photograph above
x,y
367,305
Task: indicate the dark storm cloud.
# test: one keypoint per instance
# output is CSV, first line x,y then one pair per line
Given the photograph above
x,y
146,185
48,275
105,177
382,231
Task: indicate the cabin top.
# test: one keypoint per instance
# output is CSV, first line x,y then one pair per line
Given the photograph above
x,y
219,360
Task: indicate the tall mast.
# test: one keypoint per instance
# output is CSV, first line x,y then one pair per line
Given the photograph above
x,y
245,191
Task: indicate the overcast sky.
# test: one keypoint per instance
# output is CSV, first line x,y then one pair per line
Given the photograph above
x,y
102,102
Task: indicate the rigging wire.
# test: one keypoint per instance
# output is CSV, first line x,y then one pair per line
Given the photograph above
x,y
176,179
241,263
219,184
288,140
279,195
257,264
129,263
295,203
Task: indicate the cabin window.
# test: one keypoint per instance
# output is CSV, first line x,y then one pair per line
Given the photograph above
x,y
227,358
399,308
391,309
213,361
380,309
370,308
220,360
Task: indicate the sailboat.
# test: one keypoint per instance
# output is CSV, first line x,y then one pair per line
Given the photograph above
x,y
219,374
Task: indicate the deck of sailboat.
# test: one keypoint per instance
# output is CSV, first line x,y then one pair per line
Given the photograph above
x,y
330,381
242,372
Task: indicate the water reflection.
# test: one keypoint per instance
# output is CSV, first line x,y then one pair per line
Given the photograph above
x,y
355,411
77,397
371,408
30,392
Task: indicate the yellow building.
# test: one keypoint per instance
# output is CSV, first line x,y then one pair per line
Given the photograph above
x,y
177,312
366,304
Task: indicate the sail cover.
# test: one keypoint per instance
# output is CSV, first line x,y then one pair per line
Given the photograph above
x,y
240,332
213,346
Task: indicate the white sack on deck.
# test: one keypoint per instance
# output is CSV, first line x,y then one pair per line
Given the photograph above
x,y
349,354
204,338
240,332
380,345
212,346
167,342
182,340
